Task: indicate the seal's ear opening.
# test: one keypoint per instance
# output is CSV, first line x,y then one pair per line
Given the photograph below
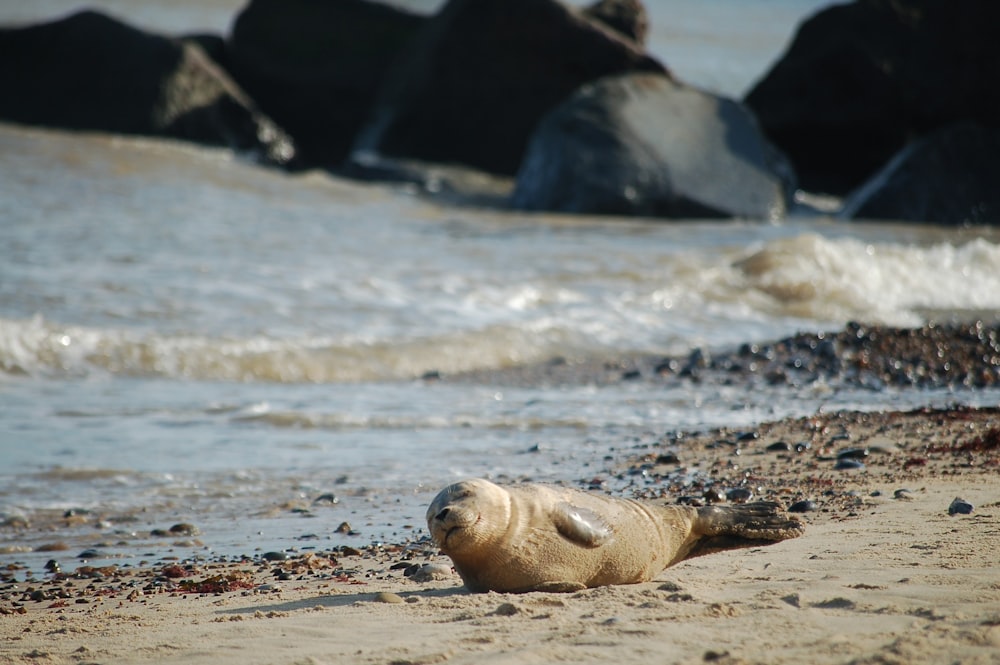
x,y
580,526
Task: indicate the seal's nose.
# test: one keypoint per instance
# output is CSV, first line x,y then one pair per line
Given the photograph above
x,y
441,516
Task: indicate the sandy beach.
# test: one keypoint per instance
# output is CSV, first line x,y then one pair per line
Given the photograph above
x,y
883,574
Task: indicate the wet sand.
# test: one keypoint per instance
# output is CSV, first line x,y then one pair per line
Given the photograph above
x,y
891,568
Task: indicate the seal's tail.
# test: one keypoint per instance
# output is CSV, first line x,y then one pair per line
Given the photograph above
x,y
745,525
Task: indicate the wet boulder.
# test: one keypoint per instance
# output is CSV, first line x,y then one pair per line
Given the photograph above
x,y
642,144
862,79
951,176
315,66
473,84
89,71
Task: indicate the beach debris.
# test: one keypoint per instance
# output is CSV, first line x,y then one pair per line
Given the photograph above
x,y
960,506
221,583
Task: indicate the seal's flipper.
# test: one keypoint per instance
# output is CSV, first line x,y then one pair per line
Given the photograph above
x,y
579,525
728,527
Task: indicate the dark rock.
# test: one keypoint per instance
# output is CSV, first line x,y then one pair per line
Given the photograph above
x,y
960,507
88,71
274,556
947,177
472,85
848,464
805,506
862,79
626,17
641,144
316,66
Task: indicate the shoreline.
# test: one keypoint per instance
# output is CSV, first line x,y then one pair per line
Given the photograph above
x,y
883,574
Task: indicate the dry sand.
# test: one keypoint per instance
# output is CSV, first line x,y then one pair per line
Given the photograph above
x,y
877,578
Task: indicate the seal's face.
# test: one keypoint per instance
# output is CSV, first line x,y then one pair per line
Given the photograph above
x,y
464,517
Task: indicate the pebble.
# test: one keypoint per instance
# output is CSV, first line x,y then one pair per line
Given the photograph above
x,y
431,571
848,464
739,495
959,507
345,528
507,610
275,556
184,529
903,495
328,498
853,453
89,554
805,506
780,447
713,495
388,597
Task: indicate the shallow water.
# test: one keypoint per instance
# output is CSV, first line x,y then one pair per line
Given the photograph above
x,y
186,337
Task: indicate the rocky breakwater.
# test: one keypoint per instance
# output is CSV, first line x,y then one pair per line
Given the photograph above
x,y
89,71
894,106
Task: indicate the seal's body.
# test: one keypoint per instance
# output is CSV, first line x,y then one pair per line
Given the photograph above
x,y
542,538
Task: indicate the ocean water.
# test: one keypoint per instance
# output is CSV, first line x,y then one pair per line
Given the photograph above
x,y
188,337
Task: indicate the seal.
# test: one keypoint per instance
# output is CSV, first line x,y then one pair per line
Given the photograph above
x,y
542,538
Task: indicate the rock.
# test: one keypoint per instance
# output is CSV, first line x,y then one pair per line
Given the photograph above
x,y
947,177
315,67
960,507
432,571
642,144
388,597
804,506
89,71
626,17
471,86
861,79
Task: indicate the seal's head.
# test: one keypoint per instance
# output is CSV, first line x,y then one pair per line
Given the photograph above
x,y
466,517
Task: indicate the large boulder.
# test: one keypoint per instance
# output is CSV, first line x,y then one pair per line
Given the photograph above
x,y
315,66
89,71
473,84
861,79
642,144
951,176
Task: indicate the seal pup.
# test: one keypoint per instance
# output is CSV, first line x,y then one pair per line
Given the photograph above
x,y
542,538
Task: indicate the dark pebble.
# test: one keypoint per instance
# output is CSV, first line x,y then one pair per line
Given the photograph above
x,y
959,507
739,495
780,447
52,566
668,458
802,507
89,554
853,453
848,464
802,446
275,556
184,529
748,436
714,495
